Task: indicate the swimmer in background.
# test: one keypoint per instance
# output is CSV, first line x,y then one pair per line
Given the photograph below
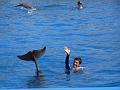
x,y
76,64
29,7
79,5
26,6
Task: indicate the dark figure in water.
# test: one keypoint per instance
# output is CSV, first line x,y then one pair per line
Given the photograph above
x,y
27,6
79,5
76,63
32,56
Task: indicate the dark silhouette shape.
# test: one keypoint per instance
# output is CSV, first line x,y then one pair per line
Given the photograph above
x,y
67,67
80,5
36,82
32,56
27,6
67,62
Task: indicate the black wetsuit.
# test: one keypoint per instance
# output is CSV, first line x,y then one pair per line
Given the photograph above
x,y
67,62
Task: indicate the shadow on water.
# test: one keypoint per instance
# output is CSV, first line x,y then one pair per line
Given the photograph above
x,y
68,74
36,81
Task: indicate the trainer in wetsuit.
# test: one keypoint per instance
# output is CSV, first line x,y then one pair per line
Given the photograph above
x,y
76,63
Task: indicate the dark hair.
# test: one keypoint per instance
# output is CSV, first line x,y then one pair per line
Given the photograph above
x,y
78,59
79,2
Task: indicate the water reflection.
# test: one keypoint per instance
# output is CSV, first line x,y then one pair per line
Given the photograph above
x,y
67,76
36,81
78,71
68,73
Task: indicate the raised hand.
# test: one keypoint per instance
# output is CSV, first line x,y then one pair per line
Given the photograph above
x,y
67,50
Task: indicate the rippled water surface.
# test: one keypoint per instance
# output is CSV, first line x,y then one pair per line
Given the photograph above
x,y
92,33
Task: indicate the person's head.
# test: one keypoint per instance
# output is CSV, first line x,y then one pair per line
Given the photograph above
x,y
77,62
79,3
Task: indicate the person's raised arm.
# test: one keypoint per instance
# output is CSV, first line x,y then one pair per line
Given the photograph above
x,y
67,50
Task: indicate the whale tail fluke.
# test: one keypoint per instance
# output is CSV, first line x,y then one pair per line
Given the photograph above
x,y
32,54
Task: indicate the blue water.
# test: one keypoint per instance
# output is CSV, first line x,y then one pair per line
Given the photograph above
x,y
92,33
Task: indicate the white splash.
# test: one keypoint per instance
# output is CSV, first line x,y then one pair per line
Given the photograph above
x,y
30,11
